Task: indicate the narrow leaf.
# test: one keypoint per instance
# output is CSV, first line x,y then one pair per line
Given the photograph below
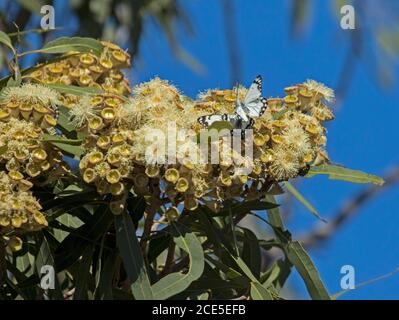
x,y
245,269
106,277
274,215
132,258
75,90
68,44
5,39
70,146
297,255
31,5
176,282
83,274
258,292
53,138
278,274
341,173
302,200
251,252
64,119
45,258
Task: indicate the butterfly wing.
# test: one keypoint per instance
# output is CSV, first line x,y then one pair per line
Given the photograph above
x,y
254,104
207,121
241,112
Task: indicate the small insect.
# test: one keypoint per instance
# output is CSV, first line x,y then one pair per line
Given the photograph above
x,y
304,170
253,106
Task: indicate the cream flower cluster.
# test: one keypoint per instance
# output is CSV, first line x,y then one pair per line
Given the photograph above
x,y
19,210
288,138
88,70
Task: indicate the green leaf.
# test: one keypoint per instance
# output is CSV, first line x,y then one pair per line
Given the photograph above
x,y
68,44
5,39
81,284
258,292
302,200
244,268
132,258
31,5
251,253
24,262
43,258
3,149
297,255
15,82
106,277
26,284
228,270
64,119
341,173
177,282
158,245
274,215
71,248
53,138
277,274
71,146
69,221
75,90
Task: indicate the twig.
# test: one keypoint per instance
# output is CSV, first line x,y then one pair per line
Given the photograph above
x,y
322,234
149,215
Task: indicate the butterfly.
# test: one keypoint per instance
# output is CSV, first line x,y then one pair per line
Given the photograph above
x,y
253,106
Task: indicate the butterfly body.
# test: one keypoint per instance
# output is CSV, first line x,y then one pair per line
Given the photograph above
x,y
253,106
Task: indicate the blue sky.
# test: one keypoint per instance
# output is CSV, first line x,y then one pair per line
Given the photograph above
x,y
363,136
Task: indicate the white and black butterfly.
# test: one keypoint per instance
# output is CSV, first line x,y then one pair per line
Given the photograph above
x,y
253,106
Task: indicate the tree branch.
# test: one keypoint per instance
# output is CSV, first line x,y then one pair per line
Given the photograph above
x,y
348,210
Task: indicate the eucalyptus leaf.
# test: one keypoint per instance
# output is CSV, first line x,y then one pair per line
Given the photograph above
x,y
31,5
70,146
45,258
176,282
74,90
68,44
106,277
340,173
132,258
5,39
302,200
297,255
251,253
81,285
258,292
64,119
